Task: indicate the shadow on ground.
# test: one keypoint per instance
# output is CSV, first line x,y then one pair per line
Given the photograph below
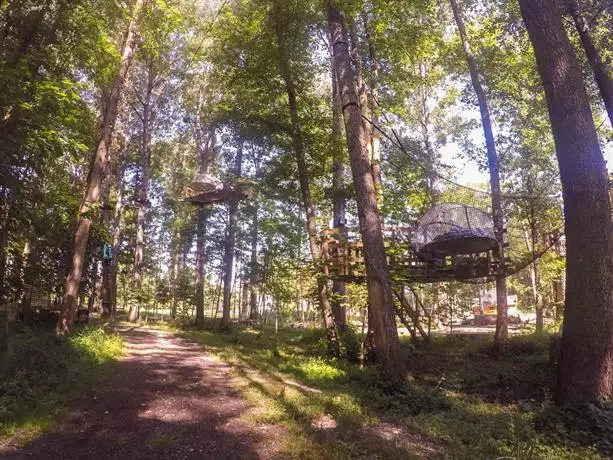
x,y
461,403
165,400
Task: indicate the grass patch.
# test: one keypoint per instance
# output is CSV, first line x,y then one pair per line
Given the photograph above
x,y
460,402
42,372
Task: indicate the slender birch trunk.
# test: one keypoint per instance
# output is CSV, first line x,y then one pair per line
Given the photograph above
x,y
94,179
494,168
602,72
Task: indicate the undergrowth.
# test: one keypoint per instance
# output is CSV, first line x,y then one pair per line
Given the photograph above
x,y
459,403
43,371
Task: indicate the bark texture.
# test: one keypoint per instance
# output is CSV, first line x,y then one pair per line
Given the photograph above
x,y
585,370
94,179
380,295
492,162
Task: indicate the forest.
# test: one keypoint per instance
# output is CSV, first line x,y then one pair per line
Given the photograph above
x,y
353,228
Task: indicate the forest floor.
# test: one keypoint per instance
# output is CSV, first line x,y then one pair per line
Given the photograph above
x,y
460,401
165,399
251,393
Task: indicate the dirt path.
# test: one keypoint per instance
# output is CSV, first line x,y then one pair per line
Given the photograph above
x,y
167,399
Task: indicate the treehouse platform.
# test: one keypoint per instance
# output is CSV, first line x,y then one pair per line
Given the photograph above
x,y
451,242
206,190
343,254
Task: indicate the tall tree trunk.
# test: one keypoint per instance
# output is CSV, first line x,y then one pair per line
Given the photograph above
x,y
244,303
3,244
117,228
536,275
372,135
493,165
380,295
105,286
147,119
375,137
175,272
585,370
360,84
200,259
4,238
425,114
253,261
230,245
602,74
96,287
339,289
94,178
305,186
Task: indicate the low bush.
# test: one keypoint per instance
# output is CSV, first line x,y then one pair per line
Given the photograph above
x,y
403,399
43,370
579,425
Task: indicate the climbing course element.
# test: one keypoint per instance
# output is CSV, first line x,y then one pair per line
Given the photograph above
x,y
450,228
207,189
452,242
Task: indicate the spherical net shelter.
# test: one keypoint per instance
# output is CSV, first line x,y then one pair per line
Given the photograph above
x,y
205,189
204,183
451,228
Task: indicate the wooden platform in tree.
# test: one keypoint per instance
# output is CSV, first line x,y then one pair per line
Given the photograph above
x,y
229,192
343,255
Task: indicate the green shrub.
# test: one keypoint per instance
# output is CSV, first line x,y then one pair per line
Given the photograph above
x,y
351,345
402,398
42,370
579,425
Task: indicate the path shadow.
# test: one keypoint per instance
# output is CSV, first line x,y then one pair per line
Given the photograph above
x,y
165,400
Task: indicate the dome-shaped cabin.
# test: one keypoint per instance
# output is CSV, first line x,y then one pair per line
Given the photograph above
x,y
451,228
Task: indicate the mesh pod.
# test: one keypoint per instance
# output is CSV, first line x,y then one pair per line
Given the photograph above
x,y
451,228
203,183
206,189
